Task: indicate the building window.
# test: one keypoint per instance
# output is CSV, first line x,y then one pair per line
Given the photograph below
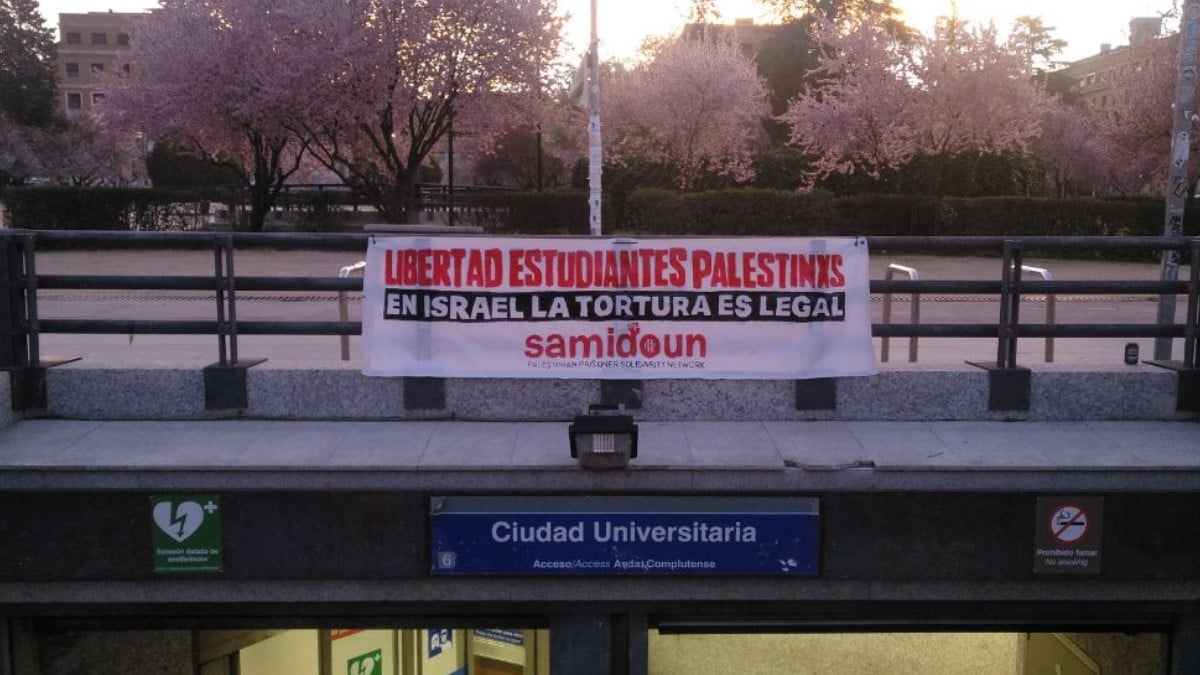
x,y
74,38
72,70
1104,101
74,101
123,39
99,38
125,68
96,98
97,68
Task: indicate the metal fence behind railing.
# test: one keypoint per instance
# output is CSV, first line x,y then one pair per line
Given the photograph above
x,y
21,285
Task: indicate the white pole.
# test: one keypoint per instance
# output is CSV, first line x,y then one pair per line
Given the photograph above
x,y
595,153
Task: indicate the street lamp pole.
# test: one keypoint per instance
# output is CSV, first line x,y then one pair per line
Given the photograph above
x,y
1178,185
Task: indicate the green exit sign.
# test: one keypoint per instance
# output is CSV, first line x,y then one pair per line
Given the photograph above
x,y
370,663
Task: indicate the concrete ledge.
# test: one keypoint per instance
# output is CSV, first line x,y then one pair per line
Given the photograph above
x,y
524,400
79,392
323,394
916,395
82,393
1116,395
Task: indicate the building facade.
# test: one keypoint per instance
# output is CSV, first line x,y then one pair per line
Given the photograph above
x,y
90,46
1095,80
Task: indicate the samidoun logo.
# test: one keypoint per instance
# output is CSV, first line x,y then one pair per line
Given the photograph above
x,y
180,520
366,664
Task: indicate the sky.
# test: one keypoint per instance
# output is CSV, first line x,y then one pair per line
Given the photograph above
x,y
623,24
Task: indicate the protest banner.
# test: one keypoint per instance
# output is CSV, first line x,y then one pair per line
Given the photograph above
x,y
617,308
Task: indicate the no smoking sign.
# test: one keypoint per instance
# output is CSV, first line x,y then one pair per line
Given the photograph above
x,y
1068,535
1068,524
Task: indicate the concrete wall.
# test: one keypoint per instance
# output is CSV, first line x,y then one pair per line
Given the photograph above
x,y
826,654
79,391
50,652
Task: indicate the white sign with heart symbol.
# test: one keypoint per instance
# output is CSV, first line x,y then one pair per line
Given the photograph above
x,y
181,522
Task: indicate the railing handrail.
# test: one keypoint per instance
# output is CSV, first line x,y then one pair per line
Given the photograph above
x,y
21,325
989,243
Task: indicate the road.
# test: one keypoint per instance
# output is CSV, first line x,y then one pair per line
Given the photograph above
x,y
324,351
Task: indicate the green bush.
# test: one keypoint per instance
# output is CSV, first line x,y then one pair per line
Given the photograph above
x,y
75,208
997,216
888,216
549,212
730,212
768,212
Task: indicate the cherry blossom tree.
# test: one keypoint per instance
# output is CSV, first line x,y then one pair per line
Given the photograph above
x,y
1136,131
975,93
860,114
211,81
385,80
1069,146
694,106
18,160
878,100
555,129
84,152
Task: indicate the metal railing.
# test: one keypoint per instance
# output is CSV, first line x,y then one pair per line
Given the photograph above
x,y
914,312
21,325
343,304
1051,303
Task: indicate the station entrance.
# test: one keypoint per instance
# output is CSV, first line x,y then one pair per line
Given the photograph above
x,y
49,648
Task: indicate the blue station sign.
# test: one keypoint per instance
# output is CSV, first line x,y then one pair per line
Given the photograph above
x,y
665,536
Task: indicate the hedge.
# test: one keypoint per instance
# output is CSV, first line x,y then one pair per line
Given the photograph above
x,y
74,208
651,212
730,212
766,212
550,212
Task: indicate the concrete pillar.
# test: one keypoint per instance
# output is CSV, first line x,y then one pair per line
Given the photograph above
x,y
633,656
581,644
6,656
599,644
1185,645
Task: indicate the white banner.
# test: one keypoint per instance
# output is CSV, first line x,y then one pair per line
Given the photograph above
x,y
617,308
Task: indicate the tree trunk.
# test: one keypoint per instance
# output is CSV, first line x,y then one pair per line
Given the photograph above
x,y
400,203
260,205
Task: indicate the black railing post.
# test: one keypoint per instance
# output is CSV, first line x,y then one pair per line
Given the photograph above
x,y
1008,386
33,340
225,382
219,286
19,352
1004,325
226,293
1014,299
1192,327
14,347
